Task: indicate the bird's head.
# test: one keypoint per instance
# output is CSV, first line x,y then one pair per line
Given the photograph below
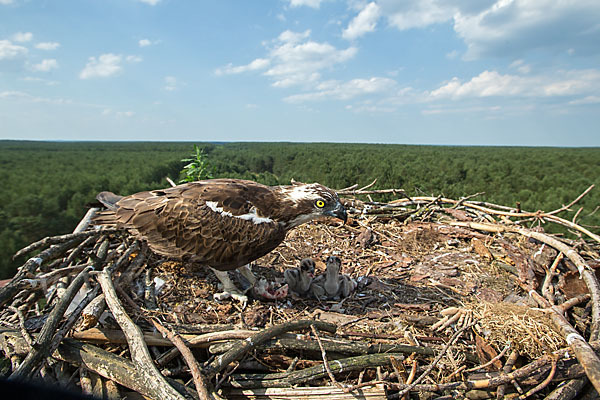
x,y
310,201
333,264
307,266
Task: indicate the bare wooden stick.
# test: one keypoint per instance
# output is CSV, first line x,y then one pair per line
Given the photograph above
x,y
368,186
86,220
310,374
24,331
92,358
324,356
68,325
204,340
7,292
222,361
564,208
493,360
583,351
568,391
430,367
85,382
60,239
190,360
584,270
41,347
92,312
338,346
171,182
140,355
543,384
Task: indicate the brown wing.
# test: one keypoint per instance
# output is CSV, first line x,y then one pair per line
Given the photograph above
x,y
178,222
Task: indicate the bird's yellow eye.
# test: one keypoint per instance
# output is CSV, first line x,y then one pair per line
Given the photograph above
x,y
320,203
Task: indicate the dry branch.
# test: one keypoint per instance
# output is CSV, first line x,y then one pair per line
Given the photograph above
x,y
313,373
337,346
155,382
241,348
199,379
16,284
92,358
41,347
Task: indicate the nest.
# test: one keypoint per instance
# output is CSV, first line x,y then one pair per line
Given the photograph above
x,y
447,290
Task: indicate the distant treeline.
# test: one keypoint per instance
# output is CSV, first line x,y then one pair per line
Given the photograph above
x,y
46,185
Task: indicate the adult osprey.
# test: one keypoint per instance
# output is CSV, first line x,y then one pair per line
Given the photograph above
x,y
220,223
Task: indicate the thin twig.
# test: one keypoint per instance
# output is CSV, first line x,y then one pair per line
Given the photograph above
x,y
543,384
430,367
325,362
493,360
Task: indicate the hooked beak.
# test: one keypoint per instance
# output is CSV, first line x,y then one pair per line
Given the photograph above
x,y
338,212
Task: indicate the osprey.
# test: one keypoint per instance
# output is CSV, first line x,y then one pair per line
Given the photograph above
x,y
221,223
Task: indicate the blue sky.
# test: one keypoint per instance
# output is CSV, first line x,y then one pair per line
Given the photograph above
x,y
464,72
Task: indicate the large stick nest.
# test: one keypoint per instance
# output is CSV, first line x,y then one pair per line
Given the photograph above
x,y
447,290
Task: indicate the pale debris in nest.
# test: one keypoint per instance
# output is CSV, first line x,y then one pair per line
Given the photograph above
x,y
527,330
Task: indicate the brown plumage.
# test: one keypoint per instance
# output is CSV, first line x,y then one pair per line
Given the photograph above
x,y
220,223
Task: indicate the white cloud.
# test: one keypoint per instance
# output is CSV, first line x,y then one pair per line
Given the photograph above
x,y
40,80
296,60
126,114
6,2
293,59
259,63
452,55
22,37
505,27
492,83
345,90
134,59
14,95
102,67
45,66
47,45
150,2
308,3
513,26
147,42
293,37
586,100
364,22
416,13
171,83
520,66
118,114
8,50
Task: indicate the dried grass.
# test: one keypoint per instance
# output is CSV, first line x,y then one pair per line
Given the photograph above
x,y
529,331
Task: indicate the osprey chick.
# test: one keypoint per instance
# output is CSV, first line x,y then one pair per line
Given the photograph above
x,y
220,223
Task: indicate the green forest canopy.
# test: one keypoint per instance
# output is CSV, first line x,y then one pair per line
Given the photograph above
x,y
46,185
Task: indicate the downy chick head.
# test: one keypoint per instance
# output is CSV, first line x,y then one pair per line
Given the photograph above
x,y
307,267
334,264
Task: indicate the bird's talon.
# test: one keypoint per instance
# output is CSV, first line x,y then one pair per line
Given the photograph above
x,y
240,297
